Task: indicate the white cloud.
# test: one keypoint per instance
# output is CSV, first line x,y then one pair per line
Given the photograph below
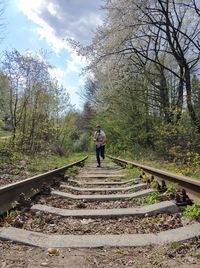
x,y
75,63
58,20
52,9
33,11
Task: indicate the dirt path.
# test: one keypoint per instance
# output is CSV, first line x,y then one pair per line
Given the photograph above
x,y
180,255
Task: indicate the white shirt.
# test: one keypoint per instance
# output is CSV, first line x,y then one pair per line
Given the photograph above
x,y
99,135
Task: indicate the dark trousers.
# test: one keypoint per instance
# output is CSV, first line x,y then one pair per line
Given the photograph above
x,y
100,151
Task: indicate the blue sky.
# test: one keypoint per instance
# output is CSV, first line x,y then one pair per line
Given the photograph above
x,y
45,24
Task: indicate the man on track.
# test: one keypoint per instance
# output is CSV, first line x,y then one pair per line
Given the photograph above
x,y
100,140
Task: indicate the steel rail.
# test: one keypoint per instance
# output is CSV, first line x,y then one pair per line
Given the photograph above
x,y
31,186
191,185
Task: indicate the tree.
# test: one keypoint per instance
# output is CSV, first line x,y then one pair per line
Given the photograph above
x,y
152,35
36,100
145,59
4,95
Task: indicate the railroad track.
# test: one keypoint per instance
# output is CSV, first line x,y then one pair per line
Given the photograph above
x,y
9,194
95,208
192,186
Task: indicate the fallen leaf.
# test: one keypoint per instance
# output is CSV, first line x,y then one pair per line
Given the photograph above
x,y
53,251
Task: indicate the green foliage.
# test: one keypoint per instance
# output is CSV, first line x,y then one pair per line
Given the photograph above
x,y
45,162
154,184
177,247
196,93
15,171
4,133
193,211
179,143
154,219
73,171
9,155
171,190
13,205
145,177
139,201
8,214
42,162
38,107
82,144
35,190
3,165
153,198
143,110
4,95
132,172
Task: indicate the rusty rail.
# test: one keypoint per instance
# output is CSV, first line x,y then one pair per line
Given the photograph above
x,y
31,186
191,185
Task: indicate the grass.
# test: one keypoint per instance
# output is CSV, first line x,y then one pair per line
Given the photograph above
x,y
41,164
4,133
172,167
132,172
151,160
177,247
193,211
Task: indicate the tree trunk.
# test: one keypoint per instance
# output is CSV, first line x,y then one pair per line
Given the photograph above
x,y
179,103
190,107
164,97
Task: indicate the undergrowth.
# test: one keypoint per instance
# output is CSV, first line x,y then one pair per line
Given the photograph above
x,y
193,211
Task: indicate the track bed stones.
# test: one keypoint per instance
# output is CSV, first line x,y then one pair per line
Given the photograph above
x,y
89,193
94,241
105,177
103,180
103,190
47,223
110,197
107,183
59,202
105,171
108,221
162,207
133,188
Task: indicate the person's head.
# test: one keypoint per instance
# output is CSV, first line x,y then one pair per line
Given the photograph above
x,y
98,127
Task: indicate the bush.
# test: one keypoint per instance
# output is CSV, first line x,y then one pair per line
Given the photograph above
x,y
171,190
1,123
193,211
153,198
132,172
179,143
82,144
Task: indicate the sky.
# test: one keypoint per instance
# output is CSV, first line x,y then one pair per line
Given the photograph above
x,y
45,25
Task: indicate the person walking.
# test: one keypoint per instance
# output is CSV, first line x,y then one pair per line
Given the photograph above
x,y
100,141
